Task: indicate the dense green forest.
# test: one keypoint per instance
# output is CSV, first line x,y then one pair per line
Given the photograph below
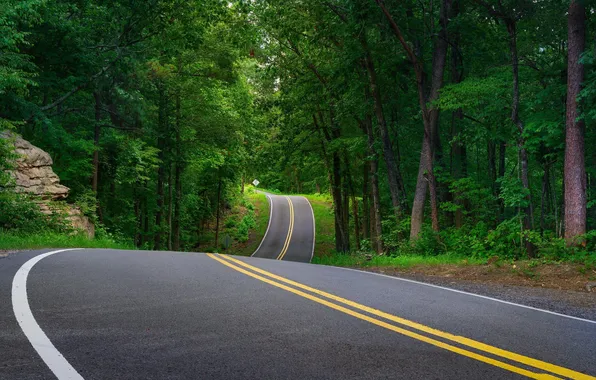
x,y
448,126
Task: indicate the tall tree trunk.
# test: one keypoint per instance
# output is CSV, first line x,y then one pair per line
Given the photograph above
x,y
544,196
170,206
365,200
177,180
145,222
97,131
393,173
96,137
138,217
357,236
217,216
426,179
523,154
502,154
161,145
334,174
375,214
458,149
575,170
336,186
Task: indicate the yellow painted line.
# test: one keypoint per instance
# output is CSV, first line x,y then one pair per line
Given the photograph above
x,y
391,327
290,231
454,338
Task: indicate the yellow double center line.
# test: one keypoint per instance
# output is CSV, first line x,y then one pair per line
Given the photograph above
x,y
469,343
290,231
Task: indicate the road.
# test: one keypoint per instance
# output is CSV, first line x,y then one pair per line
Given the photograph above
x,y
110,314
290,233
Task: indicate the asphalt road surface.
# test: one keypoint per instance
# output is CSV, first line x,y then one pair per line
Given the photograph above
x,y
290,233
109,314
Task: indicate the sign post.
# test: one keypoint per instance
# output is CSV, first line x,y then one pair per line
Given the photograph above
x,y
256,182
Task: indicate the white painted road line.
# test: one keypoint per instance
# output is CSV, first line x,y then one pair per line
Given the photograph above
x,y
38,339
268,224
466,293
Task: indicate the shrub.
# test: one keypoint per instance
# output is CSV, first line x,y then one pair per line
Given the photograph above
x,y
247,222
20,213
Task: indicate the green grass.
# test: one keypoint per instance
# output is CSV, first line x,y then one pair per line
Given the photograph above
x,y
406,261
11,240
324,224
261,208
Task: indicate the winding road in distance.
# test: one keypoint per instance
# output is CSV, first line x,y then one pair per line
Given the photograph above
x,y
110,314
290,234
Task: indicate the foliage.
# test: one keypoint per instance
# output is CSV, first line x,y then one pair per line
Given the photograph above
x,y
172,105
21,214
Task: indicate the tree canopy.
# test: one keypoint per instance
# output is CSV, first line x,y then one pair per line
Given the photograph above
x,y
446,125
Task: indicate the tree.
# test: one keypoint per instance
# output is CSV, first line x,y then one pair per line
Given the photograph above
x,y
575,172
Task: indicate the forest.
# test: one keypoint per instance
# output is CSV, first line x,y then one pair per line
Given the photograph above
x,y
461,127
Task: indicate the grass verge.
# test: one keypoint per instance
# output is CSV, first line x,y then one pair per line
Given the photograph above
x,y
324,224
406,261
260,206
12,240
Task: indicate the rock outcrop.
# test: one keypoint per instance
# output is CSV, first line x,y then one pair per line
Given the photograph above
x,y
33,175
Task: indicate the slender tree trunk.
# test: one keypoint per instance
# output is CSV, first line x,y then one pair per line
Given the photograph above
x,y
145,222
575,170
170,207
365,200
458,149
393,173
97,131
334,173
544,196
523,154
430,117
217,216
161,145
177,180
426,179
502,154
336,186
375,214
138,217
354,202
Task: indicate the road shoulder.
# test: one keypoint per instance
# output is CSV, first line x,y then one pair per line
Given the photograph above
x,y
565,301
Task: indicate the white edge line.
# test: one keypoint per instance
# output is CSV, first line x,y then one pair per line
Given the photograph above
x,y
314,229
466,293
268,224
38,339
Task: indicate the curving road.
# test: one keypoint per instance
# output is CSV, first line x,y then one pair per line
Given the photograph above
x,y
110,314
290,233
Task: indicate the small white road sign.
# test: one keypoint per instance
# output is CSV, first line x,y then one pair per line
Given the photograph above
x,y
256,182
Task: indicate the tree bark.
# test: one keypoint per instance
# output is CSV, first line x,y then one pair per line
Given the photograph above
x,y
575,170
96,136
217,217
375,214
393,173
502,154
426,179
160,172
177,180
523,154
365,200
357,236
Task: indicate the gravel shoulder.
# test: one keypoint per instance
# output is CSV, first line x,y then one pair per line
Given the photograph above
x,y
6,253
577,303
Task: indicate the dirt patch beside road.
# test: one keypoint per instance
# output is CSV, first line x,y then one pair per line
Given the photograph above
x,y
562,288
4,253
